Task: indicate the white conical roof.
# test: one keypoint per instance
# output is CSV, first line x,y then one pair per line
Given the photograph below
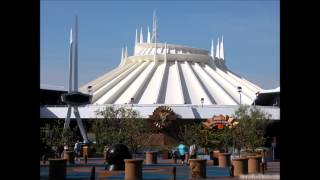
x,y
185,77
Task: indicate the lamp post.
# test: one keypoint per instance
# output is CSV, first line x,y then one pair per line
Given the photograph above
x,y
273,143
89,88
254,102
239,91
202,100
132,100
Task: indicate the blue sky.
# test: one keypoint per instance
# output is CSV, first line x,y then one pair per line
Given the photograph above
x,y
251,32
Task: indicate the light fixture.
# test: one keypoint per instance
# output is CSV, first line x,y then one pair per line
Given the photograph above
x,y
239,91
202,100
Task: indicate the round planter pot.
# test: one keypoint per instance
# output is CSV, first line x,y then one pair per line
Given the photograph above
x,y
224,159
254,164
133,169
240,166
151,157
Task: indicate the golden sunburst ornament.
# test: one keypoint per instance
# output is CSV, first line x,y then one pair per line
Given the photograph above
x,y
162,117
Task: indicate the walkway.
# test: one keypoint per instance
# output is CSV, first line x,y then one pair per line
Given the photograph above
x,y
160,171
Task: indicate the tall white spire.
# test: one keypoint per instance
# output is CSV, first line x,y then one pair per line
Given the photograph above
x,y
137,38
148,39
141,35
70,62
75,55
165,52
121,56
135,43
154,34
212,49
218,50
154,28
126,53
221,49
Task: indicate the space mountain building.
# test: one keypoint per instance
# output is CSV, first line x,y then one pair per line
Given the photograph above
x,y
171,74
194,83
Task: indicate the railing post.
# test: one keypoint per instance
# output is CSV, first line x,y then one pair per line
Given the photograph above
x,y
93,173
262,167
231,170
174,172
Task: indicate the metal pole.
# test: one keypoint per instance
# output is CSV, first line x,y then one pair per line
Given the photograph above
x,y
93,173
174,171
273,153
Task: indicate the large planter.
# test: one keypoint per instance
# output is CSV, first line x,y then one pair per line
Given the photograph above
x,y
57,169
254,164
198,168
151,157
216,157
69,156
85,151
165,153
133,169
224,159
240,166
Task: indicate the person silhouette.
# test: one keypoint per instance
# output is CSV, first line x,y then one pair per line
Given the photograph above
x,y
77,149
182,149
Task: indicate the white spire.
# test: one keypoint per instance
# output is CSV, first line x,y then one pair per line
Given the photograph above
x,y
70,63
137,38
148,39
75,55
218,50
141,35
121,56
71,36
154,28
212,49
165,52
154,34
126,53
221,49
135,43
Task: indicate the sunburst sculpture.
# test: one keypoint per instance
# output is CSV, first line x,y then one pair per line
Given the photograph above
x,y
162,117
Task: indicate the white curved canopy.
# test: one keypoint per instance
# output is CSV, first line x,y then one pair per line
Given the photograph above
x,y
161,73
185,77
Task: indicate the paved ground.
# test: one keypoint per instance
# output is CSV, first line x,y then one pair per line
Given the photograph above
x,y
160,171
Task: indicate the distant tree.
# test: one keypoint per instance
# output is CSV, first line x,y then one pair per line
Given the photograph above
x,y
53,136
137,133
252,127
222,138
120,125
189,133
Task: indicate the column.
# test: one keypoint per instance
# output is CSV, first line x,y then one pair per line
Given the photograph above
x,y
240,166
133,169
224,159
151,157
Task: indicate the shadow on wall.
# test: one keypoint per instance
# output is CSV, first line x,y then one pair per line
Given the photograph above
x,y
46,113
195,113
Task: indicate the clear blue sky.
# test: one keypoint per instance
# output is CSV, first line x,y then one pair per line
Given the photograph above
x,y
251,31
